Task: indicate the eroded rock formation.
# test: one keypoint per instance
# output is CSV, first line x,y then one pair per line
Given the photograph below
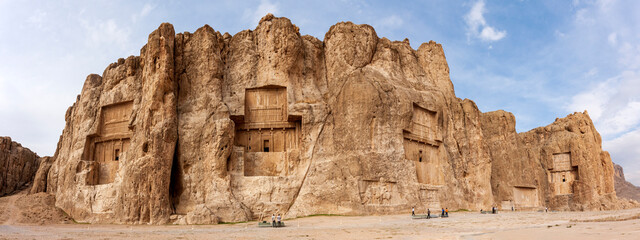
x,y
560,166
18,165
205,127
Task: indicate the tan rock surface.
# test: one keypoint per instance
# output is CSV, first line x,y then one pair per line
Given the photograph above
x,y
206,127
560,166
18,165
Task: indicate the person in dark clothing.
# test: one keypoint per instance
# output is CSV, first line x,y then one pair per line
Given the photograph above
x,y
428,213
413,211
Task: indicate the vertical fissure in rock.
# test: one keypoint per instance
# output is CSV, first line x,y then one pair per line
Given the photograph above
x,y
175,183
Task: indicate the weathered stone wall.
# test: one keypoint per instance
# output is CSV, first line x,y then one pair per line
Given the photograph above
x,y
352,105
18,165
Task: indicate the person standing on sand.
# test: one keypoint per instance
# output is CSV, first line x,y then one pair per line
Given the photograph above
x,y
413,211
279,220
446,212
428,213
273,220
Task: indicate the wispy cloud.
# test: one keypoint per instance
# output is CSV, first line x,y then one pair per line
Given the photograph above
x,y
625,151
613,102
614,105
613,39
37,18
253,16
4,103
477,26
392,21
106,32
146,9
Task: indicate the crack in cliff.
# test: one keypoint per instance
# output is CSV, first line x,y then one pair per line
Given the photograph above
x,y
295,196
176,187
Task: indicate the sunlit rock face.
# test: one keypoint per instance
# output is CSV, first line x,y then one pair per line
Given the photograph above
x,y
18,165
207,127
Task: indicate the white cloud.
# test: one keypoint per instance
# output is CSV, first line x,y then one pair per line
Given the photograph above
x,y
624,151
614,105
560,34
593,100
575,2
613,39
477,26
265,7
392,21
630,54
37,18
106,32
146,9
490,34
622,120
592,72
4,102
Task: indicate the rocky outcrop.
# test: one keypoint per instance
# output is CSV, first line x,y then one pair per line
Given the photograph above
x,y
561,166
40,178
624,189
18,165
207,127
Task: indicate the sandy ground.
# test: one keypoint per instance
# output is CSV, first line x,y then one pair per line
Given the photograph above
x,y
623,224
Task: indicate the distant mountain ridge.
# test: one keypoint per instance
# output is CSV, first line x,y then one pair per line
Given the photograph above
x,y
624,189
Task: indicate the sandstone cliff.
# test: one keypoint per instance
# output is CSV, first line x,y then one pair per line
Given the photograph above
x,y
625,189
205,127
17,166
561,166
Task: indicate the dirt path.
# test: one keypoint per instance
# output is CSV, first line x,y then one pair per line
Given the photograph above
x,y
18,211
8,209
471,225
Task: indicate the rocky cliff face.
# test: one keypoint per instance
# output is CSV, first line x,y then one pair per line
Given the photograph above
x,y
18,165
206,127
624,189
560,166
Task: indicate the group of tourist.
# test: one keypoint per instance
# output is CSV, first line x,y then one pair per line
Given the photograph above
x,y
445,212
273,220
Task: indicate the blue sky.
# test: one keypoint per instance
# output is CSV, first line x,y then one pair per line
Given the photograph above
x,y
538,59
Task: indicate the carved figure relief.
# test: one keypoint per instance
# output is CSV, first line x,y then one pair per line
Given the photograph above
x,y
374,192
